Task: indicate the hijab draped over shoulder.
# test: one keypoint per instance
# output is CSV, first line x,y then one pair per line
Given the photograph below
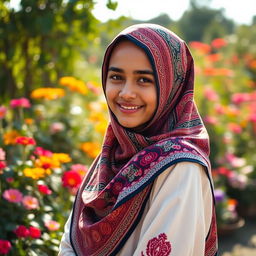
x,y
112,197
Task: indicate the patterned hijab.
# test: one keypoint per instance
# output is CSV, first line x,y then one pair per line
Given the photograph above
x,y
113,195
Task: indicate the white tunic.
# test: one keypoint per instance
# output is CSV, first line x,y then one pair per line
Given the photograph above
x,y
176,219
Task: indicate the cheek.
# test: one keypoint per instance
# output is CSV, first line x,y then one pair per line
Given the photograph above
x,y
110,94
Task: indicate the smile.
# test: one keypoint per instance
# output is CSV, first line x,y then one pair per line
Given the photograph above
x,y
130,108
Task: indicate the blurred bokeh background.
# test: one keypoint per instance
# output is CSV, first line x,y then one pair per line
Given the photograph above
x,y
53,115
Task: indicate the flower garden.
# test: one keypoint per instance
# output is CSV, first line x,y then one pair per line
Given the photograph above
x,y
49,140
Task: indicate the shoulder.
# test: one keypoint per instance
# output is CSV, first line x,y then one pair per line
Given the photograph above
x,y
181,177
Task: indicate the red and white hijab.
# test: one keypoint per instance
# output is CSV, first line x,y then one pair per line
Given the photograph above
x,y
112,197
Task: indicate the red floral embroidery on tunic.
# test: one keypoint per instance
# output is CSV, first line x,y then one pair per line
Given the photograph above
x,y
158,246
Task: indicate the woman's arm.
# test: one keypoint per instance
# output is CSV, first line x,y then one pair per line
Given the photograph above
x,y
179,214
65,245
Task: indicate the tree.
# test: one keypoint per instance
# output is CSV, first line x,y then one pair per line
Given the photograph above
x,y
195,23
40,41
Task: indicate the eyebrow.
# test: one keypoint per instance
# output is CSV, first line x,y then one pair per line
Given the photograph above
x,y
140,72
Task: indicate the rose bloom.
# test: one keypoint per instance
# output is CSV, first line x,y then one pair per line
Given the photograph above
x,y
30,202
5,246
71,179
25,140
12,195
21,102
52,225
43,189
21,231
34,232
3,111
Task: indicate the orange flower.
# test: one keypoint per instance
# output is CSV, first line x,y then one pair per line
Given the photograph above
x,y
10,137
74,84
210,71
218,43
47,93
92,149
214,57
201,47
29,121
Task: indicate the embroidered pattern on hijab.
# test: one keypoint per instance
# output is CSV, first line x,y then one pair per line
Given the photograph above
x,y
112,198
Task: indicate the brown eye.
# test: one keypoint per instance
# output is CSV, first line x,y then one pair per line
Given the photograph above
x,y
145,80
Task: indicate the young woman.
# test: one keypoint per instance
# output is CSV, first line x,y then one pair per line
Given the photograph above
x,y
149,192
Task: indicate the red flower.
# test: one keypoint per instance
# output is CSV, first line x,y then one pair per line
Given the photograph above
x,y
22,102
21,231
218,43
2,165
5,246
34,232
25,140
71,179
43,189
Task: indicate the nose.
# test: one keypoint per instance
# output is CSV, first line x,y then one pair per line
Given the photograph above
x,y
128,91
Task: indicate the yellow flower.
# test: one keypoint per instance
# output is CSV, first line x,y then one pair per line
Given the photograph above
x,y
61,157
92,149
48,93
36,173
74,84
10,137
101,127
46,162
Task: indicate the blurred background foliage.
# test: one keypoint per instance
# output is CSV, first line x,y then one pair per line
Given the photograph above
x,y
51,53
41,41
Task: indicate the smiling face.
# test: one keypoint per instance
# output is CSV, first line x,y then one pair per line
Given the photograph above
x,y
130,85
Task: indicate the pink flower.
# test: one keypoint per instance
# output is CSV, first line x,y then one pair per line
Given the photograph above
x,y
3,111
234,160
210,120
52,225
79,168
43,189
252,117
235,128
210,94
56,127
21,231
21,102
12,195
42,152
34,232
5,246
30,202
238,98
2,154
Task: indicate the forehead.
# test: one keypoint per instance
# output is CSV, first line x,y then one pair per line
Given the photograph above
x,y
128,52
